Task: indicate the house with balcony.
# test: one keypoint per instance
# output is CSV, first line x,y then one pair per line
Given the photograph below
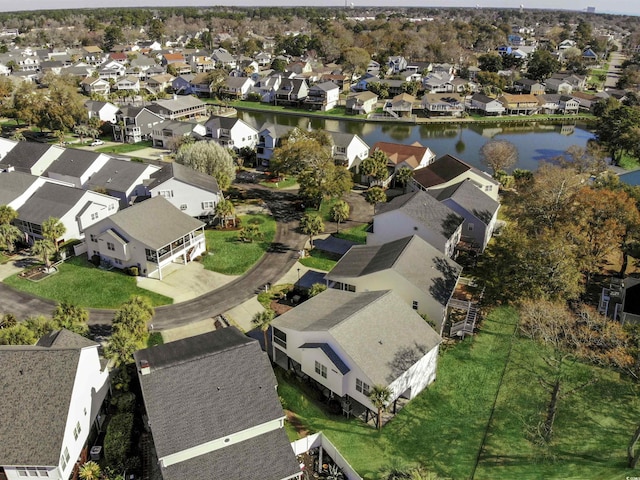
x,y
322,96
201,63
485,105
361,103
417,213
192,192
95,86
443,105
348,149
223,59
149,235
267,87
292,92
168,133
52,400
16,187
414,270
135,124
346,342
414,156
29,157
213,409
76,209
269,138
231,132
186,106
524,104
400,106
159,83
438,83
111,70
236,88
396,64
172,58
526,85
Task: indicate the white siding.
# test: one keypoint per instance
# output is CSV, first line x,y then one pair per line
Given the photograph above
x,y
189,199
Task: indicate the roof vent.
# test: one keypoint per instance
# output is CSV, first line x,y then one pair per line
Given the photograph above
x,y
145,368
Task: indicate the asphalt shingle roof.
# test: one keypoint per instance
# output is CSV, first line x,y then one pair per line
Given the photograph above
x,y
186,175
73,162
14,184
471,198
117,175
50,200
25,155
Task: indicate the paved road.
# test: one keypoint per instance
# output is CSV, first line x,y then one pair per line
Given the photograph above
x,y
281,257
616,60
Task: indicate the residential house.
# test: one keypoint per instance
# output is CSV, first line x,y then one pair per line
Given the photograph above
x,y
30,157
292,92
479,211
142,63
413,156
621,300
236,88
192,192
449,170
172,58
95,86
201,63
347,342
128,83
267,87
231,132
16,187
526,85
559,81
400,106
585,100
397,64
568,105
168,133
322,96
199,84
76,209
149,235
485,105
111,70
134,124
588,55
364,81
524,104
438,83
159,83
299,68
213,409
559,85
348,149
417,213
6,145
186,106
105,111
414,270
122,179
361,103
92,55
436,105
373,68
76,166
52,398
342,81
263,59
269,138
223,59
151,45
629,178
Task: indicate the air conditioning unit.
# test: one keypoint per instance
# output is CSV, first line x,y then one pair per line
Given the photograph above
x,y
96,452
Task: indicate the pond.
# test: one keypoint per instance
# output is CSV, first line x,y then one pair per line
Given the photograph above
x,y
536,142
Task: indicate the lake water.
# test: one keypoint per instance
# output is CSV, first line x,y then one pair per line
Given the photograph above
x,y
535,142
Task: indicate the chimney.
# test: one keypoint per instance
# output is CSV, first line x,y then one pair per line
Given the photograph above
x,y
145,368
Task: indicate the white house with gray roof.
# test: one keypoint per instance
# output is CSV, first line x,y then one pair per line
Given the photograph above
x,y
76,166
77,209
149,235
348,149
231,132
52,394
192,192
186,106
417,213
213,409
269,138
30,157
414,270
347,342
166,134
17,187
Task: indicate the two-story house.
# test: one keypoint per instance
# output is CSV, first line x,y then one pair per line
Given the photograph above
x,y
166,134
30,157
435,105
361,103
186,106
485,105
322,96
524,104
231,132
348,149
135,124
269,138
292,92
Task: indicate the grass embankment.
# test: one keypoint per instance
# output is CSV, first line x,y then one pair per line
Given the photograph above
x,y
338,112
229,256
289,182
81,283
356,234
444,427
318,261
124,147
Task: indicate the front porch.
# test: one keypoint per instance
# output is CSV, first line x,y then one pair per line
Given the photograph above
x,y
183,250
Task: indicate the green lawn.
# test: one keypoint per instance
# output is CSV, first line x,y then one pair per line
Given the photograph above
x,y
3,258
338,112
124,147
318,260
356,234
629,163
325,209
443,428
231,257
79,282
287,183
155,338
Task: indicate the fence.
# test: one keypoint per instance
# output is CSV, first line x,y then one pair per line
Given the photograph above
x,y
319,440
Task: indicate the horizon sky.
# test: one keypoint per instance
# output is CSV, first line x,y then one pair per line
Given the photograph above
x,y
628,7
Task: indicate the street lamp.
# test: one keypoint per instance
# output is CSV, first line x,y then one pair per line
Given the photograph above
x,y
298,283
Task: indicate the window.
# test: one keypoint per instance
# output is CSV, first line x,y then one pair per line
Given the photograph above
x,y
488,188
470,227
166,193
280,337
76,431
206,205
349,288
64,458
362,387
111,206
117,261
93,238
415,305
321,369
183,206
111,246
95,215
32,472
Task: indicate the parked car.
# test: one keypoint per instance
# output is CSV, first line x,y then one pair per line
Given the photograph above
x,y
97,143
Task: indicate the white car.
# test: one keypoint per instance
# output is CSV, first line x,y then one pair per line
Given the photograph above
x,y
97,143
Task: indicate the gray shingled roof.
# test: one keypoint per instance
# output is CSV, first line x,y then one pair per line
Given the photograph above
x,y
471,198
423,208
73,162
186,175
14,184
154,222
206,387
65,339
117,175
50,200
377,330
178,103
25,155
36,385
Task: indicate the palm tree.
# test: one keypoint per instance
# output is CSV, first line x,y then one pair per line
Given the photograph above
x,y
52,230
44,249
9,235
263,320
72,317
311,224
120,348
380,396
224,210
90,471
7,214
340,212
374,196
403,175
